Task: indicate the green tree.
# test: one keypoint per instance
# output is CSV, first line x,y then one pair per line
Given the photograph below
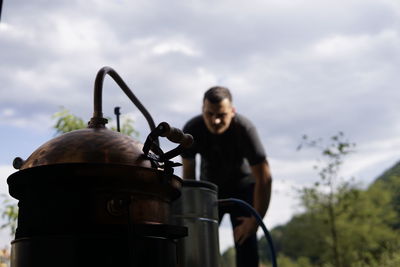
x,y
353,224
329,191
66,122
10,214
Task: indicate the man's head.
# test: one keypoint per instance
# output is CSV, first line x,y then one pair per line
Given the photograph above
x,y
218,111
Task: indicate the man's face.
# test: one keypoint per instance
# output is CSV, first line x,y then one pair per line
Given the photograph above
x,y
218,116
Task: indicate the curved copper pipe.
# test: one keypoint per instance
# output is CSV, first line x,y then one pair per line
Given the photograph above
x,y
98,121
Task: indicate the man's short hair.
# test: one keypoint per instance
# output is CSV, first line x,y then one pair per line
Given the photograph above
x,y
216,94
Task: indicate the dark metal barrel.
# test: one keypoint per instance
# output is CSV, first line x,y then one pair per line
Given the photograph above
x,y
197,209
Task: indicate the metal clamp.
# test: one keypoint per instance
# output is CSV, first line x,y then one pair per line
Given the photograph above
x,y
174,135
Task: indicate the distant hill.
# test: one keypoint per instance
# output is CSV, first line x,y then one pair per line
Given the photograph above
x,y
390,180
393,171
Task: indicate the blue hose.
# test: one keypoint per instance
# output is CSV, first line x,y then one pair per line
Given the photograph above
x,y
260,222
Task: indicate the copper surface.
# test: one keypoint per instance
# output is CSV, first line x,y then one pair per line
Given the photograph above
x,y
77,194
92,145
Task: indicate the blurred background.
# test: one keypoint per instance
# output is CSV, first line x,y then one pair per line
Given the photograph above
x,y
295,68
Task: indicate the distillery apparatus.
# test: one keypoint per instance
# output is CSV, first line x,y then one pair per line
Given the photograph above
x,y
96,197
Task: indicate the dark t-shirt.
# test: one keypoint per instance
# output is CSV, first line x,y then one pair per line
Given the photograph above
x,y
225,158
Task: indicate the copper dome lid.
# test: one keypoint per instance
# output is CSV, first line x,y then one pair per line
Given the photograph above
x,y
92,145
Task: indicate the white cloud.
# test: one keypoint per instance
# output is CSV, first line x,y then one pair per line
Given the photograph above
x,y
7,112
341,46
298,169
37,122
348,47
174,47
225,234
5,171
15,32
77,35
372,159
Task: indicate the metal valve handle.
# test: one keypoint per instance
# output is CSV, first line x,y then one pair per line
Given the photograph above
x,y
175,135
172,134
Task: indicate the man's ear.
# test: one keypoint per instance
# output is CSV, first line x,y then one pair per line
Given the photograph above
x,y
234,111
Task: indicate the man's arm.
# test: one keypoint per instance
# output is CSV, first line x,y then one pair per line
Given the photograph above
x,y
262,189
262,196
189,168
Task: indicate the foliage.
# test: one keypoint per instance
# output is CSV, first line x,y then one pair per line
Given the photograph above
x,y
67,122
329,197
228,258
10,214
388,174
126,127
390,181
284,261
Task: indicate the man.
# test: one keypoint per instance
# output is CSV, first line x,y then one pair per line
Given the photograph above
x,y
233,158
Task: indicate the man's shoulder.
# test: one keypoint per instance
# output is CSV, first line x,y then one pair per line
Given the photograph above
x,y
194,123
243,122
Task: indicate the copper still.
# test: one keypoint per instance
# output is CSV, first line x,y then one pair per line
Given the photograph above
x,y
95,197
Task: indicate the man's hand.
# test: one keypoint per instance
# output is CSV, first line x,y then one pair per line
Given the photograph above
x,y
246,228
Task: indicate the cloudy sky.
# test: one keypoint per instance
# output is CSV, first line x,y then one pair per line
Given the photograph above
x,y
294,67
